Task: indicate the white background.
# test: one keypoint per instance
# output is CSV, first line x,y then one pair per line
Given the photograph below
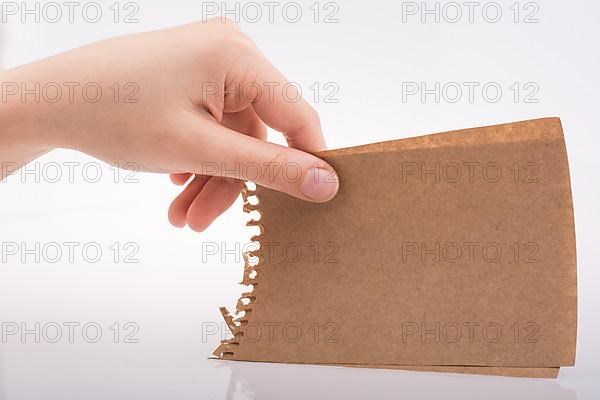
x,y
174,292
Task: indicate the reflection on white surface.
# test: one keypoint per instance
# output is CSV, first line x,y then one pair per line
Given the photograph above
x,y
181,371
272,381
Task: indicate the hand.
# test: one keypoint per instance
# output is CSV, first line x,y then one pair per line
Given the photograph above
x,y
192,101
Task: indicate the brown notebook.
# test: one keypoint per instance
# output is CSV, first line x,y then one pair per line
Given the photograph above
x,y
448,252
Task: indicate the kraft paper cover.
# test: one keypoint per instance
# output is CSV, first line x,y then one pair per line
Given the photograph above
x,y
447,252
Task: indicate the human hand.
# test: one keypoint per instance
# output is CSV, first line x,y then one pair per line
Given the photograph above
x,y
192,101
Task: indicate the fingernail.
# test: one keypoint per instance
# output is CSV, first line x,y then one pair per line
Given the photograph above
x,y
320,184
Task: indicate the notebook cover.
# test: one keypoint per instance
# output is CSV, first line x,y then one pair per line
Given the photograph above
x,y
453,252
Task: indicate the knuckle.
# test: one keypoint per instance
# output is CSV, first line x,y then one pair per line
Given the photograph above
x,y
233,46
273,167
226,37
286,169
238,43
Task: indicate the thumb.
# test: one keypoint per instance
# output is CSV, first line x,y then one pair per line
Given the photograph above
x,y
225,153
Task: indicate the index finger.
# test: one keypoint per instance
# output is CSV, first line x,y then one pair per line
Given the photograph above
x,y
282,108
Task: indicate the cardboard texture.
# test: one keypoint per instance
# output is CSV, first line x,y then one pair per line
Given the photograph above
x,y
451,252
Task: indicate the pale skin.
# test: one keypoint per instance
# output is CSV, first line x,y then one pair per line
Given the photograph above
x,y
203,96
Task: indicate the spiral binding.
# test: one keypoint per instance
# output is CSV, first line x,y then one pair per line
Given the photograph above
x,y
252,259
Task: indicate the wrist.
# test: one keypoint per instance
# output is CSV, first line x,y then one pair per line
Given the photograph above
x,y
19,119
